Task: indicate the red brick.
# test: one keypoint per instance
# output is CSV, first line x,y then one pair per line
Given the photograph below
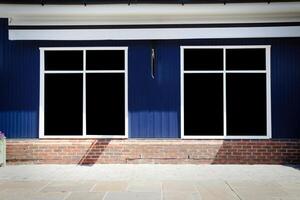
x,y
89,151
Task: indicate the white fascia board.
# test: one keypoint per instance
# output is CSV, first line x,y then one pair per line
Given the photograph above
x,y
142,20
149,13
147,9
155,33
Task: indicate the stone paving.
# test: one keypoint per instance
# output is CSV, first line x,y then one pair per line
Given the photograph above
x,y
150,182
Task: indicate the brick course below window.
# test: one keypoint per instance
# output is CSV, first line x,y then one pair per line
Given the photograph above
x,y
91,151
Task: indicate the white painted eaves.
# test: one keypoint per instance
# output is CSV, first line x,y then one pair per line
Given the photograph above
x,y
150,13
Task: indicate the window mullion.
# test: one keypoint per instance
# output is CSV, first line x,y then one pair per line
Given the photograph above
x,y
268,91
224,94
84,95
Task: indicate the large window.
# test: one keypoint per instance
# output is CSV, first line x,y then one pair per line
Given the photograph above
x,y
225,92
83,92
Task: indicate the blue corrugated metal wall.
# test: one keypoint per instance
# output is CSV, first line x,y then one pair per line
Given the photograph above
x,y
285,76
19,83
154,104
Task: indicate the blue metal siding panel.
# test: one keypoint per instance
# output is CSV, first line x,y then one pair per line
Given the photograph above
x,y
154,103
285,77
19,76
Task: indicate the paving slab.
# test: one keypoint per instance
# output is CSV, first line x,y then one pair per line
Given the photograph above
x,y
68,186
144,186
29,195
291,187
216,189
181,196
1,187
85,196
132,196
174,182
291,197
106,186
248,190
183,186
24,185
149,172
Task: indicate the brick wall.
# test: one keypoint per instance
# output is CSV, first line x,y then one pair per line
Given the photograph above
x,y
90,151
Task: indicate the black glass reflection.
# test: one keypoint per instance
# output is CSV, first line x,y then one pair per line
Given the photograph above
x,y
246,104
203,59
105,60
105,111
203,104
63,104
63,60
245,59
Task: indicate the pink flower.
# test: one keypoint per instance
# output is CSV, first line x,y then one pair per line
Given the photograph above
x,y
2,135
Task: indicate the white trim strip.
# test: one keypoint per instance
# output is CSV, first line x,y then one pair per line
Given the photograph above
x,y
219,71
126,93
42,95
246,71
225,137
80,48
87,71
155,33
203,72
63,72
224,95
85,137
104,71
268,80
227,47
123,10
182,92
149,13
84,96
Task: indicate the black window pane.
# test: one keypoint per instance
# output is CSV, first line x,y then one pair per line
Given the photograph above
x,y
63,60
245,59
203,59
246,104
63,104
105,60
203,104
105,111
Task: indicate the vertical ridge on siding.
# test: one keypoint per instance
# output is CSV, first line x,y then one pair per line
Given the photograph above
x,y
154,103
19,80
286,88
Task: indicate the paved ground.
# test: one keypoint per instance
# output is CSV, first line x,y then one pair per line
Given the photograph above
x,y
150,182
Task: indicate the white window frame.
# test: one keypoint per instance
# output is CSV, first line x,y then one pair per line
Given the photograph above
x,y
267,71
83,72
